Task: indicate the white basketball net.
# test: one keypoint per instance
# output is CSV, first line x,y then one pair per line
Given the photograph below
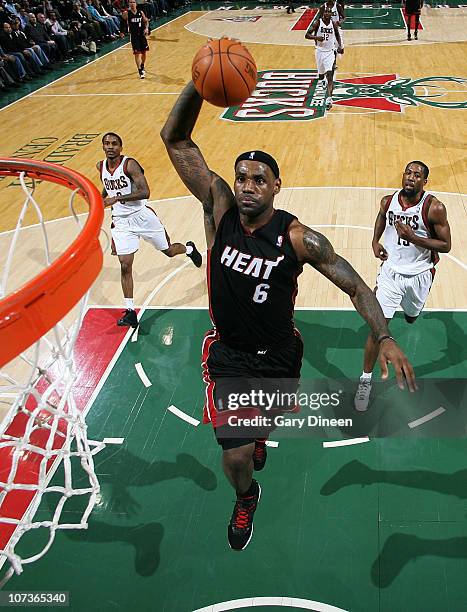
x,y
42,428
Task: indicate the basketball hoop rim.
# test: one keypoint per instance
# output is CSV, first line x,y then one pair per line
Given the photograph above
x,y
29,312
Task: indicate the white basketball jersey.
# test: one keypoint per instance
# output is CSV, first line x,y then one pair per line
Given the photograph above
x,y
334,13
118,183
403,256
327,31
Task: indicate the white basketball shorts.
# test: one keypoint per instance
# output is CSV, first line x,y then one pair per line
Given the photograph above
x,y
409,292
324,60
127,231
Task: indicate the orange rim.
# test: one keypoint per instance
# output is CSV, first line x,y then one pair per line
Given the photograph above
x,y
29,312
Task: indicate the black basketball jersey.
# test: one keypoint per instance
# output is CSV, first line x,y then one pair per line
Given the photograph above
x,y
412,6
252,280
135,23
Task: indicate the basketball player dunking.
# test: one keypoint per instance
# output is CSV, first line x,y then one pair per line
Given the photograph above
x,y
126,191
416,229
255,254
326,35
138,28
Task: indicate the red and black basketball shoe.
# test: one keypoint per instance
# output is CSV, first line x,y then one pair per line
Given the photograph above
x,y
240,529
129,319
259,455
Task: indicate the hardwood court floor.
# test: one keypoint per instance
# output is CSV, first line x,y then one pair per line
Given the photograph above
x,y
352,146
341,527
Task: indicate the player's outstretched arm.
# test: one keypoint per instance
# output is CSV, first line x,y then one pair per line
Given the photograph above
x,y
315,249
209,188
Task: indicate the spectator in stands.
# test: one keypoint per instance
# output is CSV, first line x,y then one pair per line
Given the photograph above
x,y
10,44
60,42
14,66
81,40
92,27
23,17
25,45
113,22
4,14
11,9
59,32
94,14
38,33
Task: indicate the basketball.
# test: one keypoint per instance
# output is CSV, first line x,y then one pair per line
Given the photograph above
x,y
224,73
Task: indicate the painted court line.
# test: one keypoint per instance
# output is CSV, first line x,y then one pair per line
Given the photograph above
x,y
142,375
85,411
336,443
183,415
119,94
113,440
427,417
256,602
191,197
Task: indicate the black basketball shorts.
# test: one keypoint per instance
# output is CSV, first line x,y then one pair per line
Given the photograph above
x,y
244,384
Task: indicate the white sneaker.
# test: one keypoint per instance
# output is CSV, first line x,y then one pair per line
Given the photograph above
x,y
362,397
142,74
328,103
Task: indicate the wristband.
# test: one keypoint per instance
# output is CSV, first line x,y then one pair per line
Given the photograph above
x,y
386,337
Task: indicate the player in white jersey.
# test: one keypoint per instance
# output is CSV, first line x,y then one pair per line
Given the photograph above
x,y
337,15
126,191
326,35
416,229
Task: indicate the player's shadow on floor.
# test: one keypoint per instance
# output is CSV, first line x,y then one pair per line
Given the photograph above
x,y
431,137
328,338
357,473
401,548
318,339
454,352
193,293
168,40
121,470
164,79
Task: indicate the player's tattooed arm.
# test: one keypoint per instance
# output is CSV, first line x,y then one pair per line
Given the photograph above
x,y
184,154
209,188
318,252
315,249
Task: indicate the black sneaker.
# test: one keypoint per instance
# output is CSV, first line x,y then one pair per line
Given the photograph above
x,y
416,35
129,319
259,455
195,255
240,529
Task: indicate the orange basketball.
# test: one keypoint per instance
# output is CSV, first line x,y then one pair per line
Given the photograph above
x,y
224,73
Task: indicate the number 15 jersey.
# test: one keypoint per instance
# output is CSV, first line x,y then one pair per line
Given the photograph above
x,y
252,282
403,256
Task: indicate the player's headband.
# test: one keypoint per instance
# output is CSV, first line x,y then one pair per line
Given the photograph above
x,y
260,156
